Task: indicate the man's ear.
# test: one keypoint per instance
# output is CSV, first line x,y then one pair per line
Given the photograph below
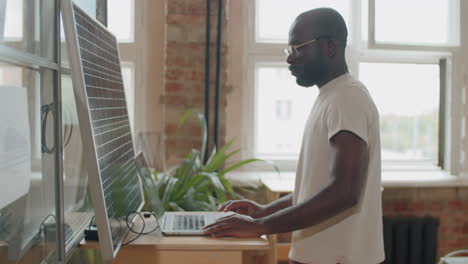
x,y
331,48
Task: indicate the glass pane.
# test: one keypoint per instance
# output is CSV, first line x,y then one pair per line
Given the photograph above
x,y
281,110
408,103
20,26
120,17
13,15
89,6
27,192
78,210
272,27
128,80
413,22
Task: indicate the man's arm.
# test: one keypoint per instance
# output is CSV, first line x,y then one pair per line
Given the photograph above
x,y
281,203
349,169
349,177
255,210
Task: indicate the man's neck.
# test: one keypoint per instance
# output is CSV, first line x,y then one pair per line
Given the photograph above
x,y
332,75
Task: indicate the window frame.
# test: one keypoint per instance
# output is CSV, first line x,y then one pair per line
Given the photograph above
x,y
359,50
452,45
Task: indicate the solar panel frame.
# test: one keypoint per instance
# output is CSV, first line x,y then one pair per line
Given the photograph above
x,y
88,76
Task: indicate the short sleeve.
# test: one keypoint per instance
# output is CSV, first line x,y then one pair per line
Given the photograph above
x,y
348,115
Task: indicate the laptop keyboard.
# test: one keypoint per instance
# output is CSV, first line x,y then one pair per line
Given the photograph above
x,y
188,222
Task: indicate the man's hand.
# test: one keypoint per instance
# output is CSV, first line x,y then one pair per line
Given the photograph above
x,y
236,226
245,207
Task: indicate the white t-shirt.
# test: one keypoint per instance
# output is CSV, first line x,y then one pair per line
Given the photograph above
x,y
352,237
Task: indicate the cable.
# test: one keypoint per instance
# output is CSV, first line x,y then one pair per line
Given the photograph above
x,y
43,230
43,221
45,109
140,233
91,222
154,229
456,252
129,225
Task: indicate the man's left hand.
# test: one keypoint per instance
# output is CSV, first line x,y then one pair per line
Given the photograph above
x,y
236,225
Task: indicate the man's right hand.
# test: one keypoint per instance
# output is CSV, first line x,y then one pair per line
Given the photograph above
x,y
245,207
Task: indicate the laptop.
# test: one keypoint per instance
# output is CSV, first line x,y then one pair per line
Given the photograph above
x,y
173,223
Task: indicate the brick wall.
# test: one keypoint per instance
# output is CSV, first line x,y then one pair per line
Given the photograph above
x,y
185,74
449,205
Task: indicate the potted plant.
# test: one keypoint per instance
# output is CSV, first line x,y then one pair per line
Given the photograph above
x,y
195,185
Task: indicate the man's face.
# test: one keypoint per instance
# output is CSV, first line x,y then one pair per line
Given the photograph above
x,y
308,65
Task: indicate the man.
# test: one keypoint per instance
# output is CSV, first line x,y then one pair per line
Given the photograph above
x,y
335,211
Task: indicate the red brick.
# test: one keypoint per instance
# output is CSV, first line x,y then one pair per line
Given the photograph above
x,y
195,75
417,206
174,74
170,129
436,206
176,6
173,87
174,100
176,61
400,206
195,131
455,205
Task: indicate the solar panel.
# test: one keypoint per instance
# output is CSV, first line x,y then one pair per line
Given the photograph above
x,y
104,123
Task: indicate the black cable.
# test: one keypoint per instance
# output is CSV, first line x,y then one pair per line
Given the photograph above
x,y
140,233
91,222
45,219
42,230
154,229
130,228
45,109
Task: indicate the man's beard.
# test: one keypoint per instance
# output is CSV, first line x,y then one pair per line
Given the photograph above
x,y
311,75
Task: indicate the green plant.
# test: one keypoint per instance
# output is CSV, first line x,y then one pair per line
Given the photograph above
x,y
196,185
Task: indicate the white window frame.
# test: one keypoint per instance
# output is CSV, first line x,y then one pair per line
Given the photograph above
x,y
452,45
368,51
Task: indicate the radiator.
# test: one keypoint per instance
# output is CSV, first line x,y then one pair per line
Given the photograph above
x,y
410,240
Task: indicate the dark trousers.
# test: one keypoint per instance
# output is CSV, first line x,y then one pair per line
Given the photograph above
x,y
294,262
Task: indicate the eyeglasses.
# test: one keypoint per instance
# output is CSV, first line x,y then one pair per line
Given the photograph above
x,y
292,50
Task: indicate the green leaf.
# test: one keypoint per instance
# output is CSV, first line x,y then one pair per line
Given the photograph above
x,y
175,207
185,174
217,184
219,158
204,134
168,192
184,117
237,165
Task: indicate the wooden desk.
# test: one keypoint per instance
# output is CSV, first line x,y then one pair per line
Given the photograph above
x,y
156,248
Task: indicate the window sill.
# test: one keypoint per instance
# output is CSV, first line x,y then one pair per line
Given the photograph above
x,y
435,178
284,182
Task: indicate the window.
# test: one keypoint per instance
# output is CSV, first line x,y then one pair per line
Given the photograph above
x,y
13,19
436,23
120,19
127,74
408,132
121,22
28,79
403,62
281,108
